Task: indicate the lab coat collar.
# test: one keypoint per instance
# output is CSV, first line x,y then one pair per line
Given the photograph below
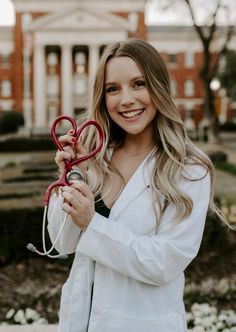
x,y
139,181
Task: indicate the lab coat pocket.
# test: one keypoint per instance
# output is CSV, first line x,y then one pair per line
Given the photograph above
x,y
110,321
73,314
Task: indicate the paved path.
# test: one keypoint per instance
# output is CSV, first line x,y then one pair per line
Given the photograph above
x,y
29,328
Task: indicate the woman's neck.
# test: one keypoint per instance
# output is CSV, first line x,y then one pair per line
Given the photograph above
x,y
134,145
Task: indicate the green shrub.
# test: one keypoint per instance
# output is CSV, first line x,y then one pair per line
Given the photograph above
x,y
217,156
227,167
17,144
228,126
10,121
18,228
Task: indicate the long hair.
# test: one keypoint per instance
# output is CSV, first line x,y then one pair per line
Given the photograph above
x,y
174,148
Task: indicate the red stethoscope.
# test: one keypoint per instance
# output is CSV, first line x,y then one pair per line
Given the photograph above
x,y
67,175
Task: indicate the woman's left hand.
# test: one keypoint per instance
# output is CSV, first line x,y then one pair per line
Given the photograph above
x,y
79,203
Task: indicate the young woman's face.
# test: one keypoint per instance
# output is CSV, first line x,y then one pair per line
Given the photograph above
x,y
127,98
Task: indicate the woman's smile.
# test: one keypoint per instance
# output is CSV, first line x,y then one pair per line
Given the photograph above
x,y
132,114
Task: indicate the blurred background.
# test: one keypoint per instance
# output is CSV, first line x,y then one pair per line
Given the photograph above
x,y
49,52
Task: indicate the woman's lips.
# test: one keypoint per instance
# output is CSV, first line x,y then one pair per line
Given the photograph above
x,y
132,113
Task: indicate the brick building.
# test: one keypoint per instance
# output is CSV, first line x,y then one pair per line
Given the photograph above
x,y
49,58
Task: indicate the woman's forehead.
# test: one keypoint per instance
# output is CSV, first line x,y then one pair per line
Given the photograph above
x,y
121,67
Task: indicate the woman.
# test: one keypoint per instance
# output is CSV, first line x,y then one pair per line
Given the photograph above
x,y
152,189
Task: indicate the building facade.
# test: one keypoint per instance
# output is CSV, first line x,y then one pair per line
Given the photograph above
x,y
49,58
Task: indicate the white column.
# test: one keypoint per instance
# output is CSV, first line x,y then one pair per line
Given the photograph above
x,y
93,64
67,81
39,86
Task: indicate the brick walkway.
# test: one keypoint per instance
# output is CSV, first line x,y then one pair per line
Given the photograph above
x,y
29,328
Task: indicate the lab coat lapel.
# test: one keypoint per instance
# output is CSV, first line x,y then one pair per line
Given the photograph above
x,y
139,181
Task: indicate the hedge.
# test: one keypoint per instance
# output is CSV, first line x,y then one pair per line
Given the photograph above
x,y
10,121
18,228
21,226
23,144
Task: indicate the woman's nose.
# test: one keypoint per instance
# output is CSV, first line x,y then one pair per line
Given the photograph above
x,y
127,98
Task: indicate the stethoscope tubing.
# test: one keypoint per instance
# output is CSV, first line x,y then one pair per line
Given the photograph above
x,y
63,180
46,252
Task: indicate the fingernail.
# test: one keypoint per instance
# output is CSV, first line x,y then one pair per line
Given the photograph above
x,y
73,139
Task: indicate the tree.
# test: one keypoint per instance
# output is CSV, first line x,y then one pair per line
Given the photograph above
x,y
227,75
209,70
208,32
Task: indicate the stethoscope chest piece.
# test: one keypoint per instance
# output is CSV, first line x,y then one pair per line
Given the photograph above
x,y
75,175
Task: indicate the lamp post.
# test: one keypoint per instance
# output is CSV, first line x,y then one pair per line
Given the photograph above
x,y
220,99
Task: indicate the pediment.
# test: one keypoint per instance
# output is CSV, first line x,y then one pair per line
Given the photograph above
x,y
80,18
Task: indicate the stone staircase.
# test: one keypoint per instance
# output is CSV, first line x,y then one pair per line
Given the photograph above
x,y
23,182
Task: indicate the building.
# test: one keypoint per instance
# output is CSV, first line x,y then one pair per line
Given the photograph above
x,y
49,58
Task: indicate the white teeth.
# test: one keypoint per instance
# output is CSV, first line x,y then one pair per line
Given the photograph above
x,y
131,114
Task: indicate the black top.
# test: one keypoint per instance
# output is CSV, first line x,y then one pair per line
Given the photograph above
x,y
101,208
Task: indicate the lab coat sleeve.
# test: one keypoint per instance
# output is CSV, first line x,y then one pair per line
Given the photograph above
x,y
69,238
156,259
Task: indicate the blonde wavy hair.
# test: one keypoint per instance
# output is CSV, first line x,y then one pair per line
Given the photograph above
x,y
174,148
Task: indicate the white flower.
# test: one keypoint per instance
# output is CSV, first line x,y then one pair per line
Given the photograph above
x,y
220,325
213,329
198,329
10,314
20,317
40,321
31,314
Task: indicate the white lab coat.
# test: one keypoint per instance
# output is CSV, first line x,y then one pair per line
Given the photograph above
x,y
137,274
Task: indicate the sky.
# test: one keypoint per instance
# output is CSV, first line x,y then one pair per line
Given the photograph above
x,y
154,15
7,16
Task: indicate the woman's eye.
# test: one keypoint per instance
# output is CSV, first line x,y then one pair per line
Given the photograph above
x,y
111,89
139,83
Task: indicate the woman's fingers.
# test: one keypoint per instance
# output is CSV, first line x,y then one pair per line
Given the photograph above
x,y
79,203
83,188
60,158
66,139
70,150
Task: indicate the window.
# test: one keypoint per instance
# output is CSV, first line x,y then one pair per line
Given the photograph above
x,y
80,61
133,21
189,88
189,114
6,88
80,85
5,60
189,59
173,87
172,58
52,59
53,85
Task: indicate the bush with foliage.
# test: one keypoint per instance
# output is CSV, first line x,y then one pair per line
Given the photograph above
x,y
23,144
228,126
218,156
10,121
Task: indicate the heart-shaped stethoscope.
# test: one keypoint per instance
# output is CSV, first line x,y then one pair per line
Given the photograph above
x,y
67,175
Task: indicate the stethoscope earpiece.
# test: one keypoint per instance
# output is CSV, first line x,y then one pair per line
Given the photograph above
x,y
46,252
32,248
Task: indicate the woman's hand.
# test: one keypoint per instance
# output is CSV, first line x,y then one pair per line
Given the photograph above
x,y
79,203
72,149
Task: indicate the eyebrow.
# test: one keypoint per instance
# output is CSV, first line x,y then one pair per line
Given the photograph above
x,y
133,79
